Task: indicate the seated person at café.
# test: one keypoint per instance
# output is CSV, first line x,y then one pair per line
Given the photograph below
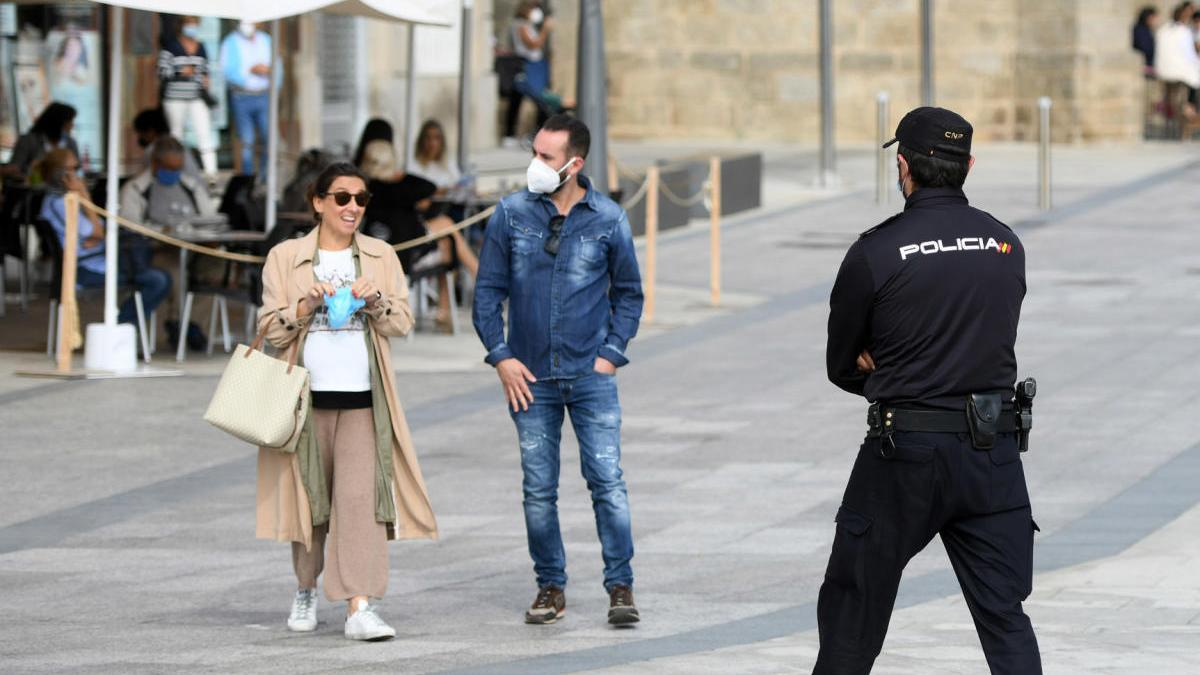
x,y
149,126
164,194
59,168
395,213
429,158
51,129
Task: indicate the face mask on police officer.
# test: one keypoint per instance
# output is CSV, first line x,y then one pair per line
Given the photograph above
x,y
542,177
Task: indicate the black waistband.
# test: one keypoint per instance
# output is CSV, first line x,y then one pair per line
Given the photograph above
x,y
341,400
882,419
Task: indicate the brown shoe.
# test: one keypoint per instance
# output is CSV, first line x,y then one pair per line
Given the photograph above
x,y
621,610
549,606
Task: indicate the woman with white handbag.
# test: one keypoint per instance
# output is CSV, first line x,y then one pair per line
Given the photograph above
x,y
353,481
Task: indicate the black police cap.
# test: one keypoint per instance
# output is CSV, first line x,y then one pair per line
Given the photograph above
x,y
934,131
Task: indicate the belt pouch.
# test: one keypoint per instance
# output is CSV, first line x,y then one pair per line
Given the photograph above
x,y
983,419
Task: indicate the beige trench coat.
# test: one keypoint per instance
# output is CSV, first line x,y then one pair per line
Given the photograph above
x,y
283,512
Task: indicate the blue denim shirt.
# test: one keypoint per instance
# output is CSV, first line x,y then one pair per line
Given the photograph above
x,y
564,310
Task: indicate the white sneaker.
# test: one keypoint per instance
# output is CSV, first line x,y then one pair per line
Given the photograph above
x,y
511,143
365,624
303,618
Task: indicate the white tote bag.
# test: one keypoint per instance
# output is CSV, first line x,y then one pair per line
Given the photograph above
x,y
260,399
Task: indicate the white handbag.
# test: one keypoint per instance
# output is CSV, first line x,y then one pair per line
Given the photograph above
x,y
260,399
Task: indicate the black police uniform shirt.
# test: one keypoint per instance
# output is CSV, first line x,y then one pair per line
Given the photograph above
x,y
934,295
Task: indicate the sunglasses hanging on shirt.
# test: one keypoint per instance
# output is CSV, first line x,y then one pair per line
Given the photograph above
x,y
556,224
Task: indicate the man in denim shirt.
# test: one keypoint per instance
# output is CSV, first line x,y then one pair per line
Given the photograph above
x,y
562,255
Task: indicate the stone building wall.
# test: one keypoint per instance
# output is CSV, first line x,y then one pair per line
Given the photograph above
x,y
747,69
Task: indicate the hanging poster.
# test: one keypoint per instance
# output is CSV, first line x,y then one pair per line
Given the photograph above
x,y
73,67
32,94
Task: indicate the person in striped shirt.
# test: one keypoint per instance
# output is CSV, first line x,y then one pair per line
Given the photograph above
x,y
183,68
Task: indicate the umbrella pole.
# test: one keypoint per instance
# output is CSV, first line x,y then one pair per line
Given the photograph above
x,y
410,98
464,86
273,128
117,35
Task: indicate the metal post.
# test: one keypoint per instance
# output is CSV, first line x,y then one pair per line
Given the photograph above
x,y
592,91
714,234
926,52
113,198
272,167
464,86
1044,104
881,136
649,284
410,97
828,160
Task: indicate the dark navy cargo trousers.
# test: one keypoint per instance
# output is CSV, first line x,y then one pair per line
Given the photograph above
x,y
930,484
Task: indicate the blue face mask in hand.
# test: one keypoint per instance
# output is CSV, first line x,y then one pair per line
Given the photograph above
x,y
167,176
341,306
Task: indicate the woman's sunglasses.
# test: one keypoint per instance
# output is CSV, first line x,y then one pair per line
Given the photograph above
x,y
343,198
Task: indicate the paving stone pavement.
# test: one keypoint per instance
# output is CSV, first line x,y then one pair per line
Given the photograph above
x,y
126,523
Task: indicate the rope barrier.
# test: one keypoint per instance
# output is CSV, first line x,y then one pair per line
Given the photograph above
x,y
681,201
457,227
637,196
258,259
167,239
685,202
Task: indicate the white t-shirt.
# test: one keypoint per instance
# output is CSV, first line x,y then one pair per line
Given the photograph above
x,y
519,46
441,174
337,359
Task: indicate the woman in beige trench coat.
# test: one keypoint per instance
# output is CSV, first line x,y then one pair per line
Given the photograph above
x,y
353,481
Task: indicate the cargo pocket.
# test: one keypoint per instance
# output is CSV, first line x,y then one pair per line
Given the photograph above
x,y
844,597
847,564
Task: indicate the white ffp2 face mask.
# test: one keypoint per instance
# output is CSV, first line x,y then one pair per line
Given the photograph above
x,y
543,178
536,15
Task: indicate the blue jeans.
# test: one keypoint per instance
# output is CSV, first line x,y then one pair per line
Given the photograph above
x,y
250,116
596,415
153,282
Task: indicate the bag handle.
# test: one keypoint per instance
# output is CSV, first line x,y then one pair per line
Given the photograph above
x,y
294,348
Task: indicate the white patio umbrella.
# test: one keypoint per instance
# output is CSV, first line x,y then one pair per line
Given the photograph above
x,y
428,12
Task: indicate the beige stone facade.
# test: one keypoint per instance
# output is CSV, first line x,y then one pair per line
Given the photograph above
x,y
748,69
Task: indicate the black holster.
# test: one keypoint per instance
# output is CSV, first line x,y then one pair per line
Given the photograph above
x,y
1026,390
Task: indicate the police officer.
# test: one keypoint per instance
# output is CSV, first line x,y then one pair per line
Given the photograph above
x,y
923,320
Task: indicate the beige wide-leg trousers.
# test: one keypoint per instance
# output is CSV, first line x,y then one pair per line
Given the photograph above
x,y
358,557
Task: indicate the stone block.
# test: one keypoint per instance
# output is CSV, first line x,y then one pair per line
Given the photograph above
x,y
867,61
768,61
744,6
706,115
721,61
799,88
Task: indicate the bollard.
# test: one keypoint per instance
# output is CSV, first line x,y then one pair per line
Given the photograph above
x,y
881,137
1044,104
66,304
714,270
651,242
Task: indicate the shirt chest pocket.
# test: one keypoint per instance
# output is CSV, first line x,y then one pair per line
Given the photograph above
x,y
524,241
593,247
